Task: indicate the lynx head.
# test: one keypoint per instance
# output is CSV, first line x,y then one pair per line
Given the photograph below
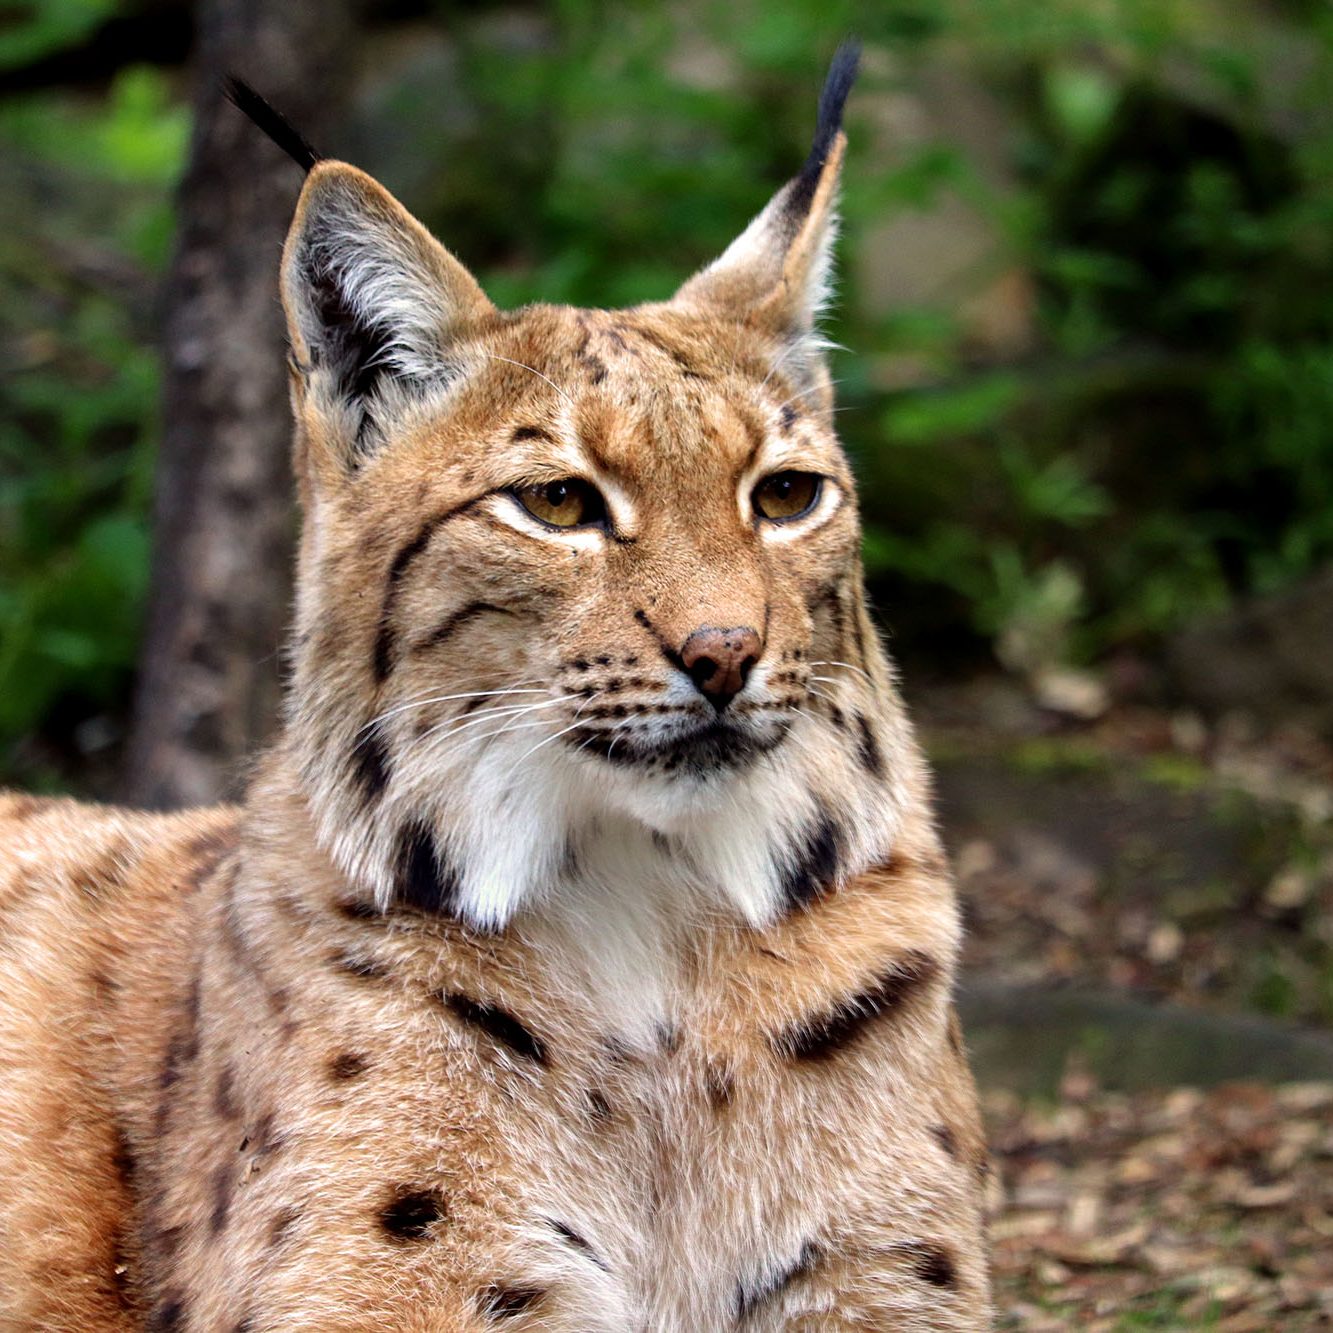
x,y
578,580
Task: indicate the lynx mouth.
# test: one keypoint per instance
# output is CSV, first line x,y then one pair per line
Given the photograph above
x,y
717,746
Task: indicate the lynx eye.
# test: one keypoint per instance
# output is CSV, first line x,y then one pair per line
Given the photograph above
x,y
568,503
787,494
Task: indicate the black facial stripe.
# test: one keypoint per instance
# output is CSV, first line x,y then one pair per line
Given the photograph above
x,y
497,1023
411,1213
572,1237
370,762
421,879
933,1263
398,567
749,1297
501,1302
823,1035
169,1314
814,863
443,632
668,651
858,630
868,751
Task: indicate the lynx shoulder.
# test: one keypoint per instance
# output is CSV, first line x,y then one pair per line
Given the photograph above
x,y
581,955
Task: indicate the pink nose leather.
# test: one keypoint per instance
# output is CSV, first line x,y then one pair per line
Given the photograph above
x,y
719,661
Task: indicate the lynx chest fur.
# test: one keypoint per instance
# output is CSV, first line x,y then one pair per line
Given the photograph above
x,y
581,957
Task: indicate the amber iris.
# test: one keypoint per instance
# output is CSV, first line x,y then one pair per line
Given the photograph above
x,y
568,503
786,494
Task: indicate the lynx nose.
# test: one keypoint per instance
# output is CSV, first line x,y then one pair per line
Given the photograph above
x,y
719,661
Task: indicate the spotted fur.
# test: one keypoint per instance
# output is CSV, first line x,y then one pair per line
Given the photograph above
x,y
533,985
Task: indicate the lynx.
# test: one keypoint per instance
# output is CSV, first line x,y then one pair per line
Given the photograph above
x,y
581,955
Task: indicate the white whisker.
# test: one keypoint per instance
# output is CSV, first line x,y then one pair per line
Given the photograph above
x,y
452,726
447,698
849,667
495,357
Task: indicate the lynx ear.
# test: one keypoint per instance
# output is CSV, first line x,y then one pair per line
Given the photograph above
x,y
776,274
374,303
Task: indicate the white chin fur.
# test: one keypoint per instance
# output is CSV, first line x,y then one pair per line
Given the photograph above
x,y
520,825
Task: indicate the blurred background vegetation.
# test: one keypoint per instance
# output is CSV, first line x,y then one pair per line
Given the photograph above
x,y
1085,292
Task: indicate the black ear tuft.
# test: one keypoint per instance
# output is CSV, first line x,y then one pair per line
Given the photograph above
x,y
837,85
272,122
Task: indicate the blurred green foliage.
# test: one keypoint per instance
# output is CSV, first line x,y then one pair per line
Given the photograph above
x,y
1158,440
85,228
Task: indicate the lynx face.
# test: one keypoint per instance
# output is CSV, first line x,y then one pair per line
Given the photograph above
x,y
579,588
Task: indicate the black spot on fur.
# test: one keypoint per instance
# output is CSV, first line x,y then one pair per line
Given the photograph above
x,y
787,417
355,965
872,760
934,1264
223,1182
572,1237
502,1302
946,1138
814,862
421,879
720,1083
522,433
282,1224
182,1050
347,1065
357,909
224,1100
497,1023
750,1296
122,1158
168,1315
370,763
824,1035
411,1213
598,1106
246,1325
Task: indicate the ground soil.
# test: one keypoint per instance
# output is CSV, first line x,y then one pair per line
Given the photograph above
x,y
1150,855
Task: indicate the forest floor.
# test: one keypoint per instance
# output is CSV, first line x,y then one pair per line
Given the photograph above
x,y
1174,1209
1183,872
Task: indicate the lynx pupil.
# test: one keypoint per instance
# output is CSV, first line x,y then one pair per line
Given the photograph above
x,y
786,494
567,503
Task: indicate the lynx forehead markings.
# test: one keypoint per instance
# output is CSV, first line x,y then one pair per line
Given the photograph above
x,y
581,957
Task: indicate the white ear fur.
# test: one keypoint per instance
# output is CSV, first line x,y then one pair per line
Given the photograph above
x,y
373,301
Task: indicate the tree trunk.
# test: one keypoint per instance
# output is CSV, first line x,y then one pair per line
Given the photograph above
x,y
224,522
